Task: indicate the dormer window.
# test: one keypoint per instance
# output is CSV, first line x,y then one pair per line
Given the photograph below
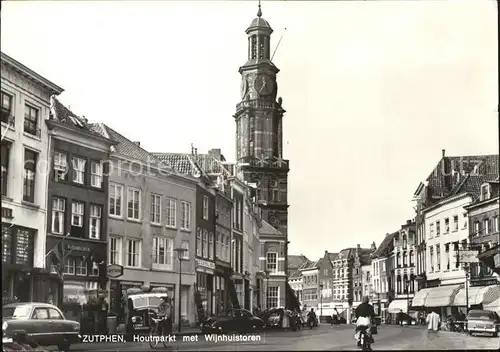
x,y
485,192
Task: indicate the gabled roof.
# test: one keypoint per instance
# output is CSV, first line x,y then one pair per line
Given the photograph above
x,y
267,229
332,256
127,148
470,184
309,265
365,256
385,247
61,114
295,261
181,162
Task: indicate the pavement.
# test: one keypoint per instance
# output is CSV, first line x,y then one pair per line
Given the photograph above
x,y
322,338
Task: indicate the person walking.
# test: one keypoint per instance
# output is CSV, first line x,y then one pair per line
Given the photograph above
x,y
433,320
399,318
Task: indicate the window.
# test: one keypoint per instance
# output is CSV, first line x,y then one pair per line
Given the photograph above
x,y
198,242
77,214
40,313
218,246
163,251
133,253
495,224
58,211
210,245
115,250
485,192
60,166
446,225
477,228
431,231
6,107
457,261
455,223
447,251
54,314
96,174
410,257
205,207
81,267
465,219
438,228
134,203
155,209
486,226
438,257
171,212
272,262
185,215
205,244
185,246
5,165
69,266
31,120
30,160
95,221
431,256
404,259
273,297
398,259
78,170
115,200
228,240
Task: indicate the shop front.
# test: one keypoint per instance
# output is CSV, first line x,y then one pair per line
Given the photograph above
x,y
205,273
439,299
84,275
17,263
491,258
221,290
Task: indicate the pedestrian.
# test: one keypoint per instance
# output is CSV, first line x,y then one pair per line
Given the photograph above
x,y
433,320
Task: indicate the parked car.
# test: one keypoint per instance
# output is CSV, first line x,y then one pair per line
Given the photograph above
x,y
38,324
238,320
483,321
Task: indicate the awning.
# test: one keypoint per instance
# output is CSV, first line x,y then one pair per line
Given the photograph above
x,y
476,295
292,301
441,296
491,299
398,305
419,298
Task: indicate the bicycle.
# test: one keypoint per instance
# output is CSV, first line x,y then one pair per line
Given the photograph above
x,y
155,335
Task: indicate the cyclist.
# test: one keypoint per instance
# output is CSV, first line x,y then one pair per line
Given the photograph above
x,y
164,312
365,315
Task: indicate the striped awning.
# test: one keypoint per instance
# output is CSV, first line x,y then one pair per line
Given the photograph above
x,y
419,298
442,296
491,300
397,306
476,294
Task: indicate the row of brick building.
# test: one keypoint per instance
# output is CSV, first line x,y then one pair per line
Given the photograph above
x,y
421,266
85,209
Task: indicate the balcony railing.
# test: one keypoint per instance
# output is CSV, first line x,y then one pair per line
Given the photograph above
x,y
255,104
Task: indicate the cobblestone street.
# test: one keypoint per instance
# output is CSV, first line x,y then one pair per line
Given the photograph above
x,y
324,338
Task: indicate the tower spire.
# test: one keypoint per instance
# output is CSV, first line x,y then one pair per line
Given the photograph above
x,y
259,12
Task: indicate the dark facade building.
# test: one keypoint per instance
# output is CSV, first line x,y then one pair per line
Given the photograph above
x,y
484,234
77,205
325,278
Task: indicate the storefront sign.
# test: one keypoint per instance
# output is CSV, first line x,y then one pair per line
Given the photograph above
x,y
73,247
114,270
468,257
204,263
201,269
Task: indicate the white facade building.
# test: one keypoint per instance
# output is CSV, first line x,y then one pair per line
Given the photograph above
x,y
25,107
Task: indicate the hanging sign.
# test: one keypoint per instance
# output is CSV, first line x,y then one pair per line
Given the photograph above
x,y
468,257
114,270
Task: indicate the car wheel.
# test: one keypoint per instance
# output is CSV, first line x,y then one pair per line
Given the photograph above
x,y
64,347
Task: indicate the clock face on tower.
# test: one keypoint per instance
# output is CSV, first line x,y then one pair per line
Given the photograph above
x,y
263,84
243,88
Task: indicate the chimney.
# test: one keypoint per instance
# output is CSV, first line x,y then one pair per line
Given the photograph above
x,y
195,151
192,149
373,246
137,143
85,119
408,222
215,153
444,152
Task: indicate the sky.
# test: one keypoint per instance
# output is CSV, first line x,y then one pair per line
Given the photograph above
x,y
373,90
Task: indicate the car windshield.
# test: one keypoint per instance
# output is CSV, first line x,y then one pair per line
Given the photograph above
x,y
16,312
481,315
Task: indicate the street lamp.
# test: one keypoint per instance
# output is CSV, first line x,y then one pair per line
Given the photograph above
x,y
320,302
180,255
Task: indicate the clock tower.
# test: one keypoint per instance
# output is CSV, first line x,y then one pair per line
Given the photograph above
x,y
259,127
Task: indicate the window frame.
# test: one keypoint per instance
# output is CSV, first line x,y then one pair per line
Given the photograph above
x,y
58,212
155,211
168,255
138,248
97,174
133,191
113,204
81,215
29,175
98,220
268,263
78,165
116,252
205,207
185,216
60,165
30,124
171,213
